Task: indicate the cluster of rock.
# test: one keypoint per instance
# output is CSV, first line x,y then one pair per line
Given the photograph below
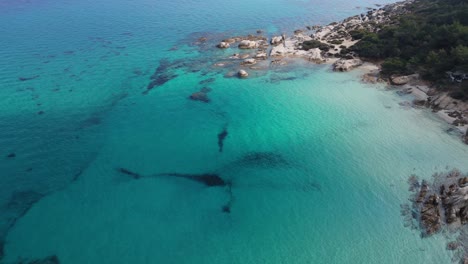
x,y
442,203
338,34
330,39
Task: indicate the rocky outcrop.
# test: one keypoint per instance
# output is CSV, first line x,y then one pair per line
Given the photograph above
x,y
261,55
340,35
443,202
248,44
345,65
249,62
242,74
276,40
223,45
315,55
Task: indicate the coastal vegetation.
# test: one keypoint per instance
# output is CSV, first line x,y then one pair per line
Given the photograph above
x,y
431,39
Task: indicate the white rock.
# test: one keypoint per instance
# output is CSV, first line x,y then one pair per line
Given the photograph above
x,y
277,40
346,65
250,61
261,56
247,44
223,45
242,74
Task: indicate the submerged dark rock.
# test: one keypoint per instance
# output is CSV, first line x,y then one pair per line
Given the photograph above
x,y
161,75
77,176
208,179
200,96
11,155
48,260
210,80
28,78
128,172
2,249
160,80
221,137
226,209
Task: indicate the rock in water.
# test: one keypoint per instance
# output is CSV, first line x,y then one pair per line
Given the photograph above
x,y
344,65
249,62
276,40
223,45
242,74
221,137
248,44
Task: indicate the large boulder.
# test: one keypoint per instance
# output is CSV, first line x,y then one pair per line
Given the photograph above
x,y
248,44
276,40
242,74
399,80
344,65
315,55
223,45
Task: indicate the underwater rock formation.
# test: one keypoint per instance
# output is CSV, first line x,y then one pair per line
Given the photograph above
x,y
161,75
47,260
2,249
227,207
200,96
28,78
134,175
208,179
221,137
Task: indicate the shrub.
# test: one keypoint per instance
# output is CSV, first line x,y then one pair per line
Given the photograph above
x,y
312,44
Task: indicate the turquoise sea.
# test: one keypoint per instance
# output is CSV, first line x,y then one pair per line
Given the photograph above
x,y
317,161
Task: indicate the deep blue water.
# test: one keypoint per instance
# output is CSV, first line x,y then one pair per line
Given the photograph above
x,y
318,161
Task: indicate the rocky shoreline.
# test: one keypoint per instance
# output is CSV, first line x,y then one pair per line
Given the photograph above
x,y
330,44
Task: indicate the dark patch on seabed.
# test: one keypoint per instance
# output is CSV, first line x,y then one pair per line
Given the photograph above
x,y
161,75
134,175
19,204
22,79
221,137
208,179
47,260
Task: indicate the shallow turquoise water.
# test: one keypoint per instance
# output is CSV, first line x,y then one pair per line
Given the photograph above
x,y
347,147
